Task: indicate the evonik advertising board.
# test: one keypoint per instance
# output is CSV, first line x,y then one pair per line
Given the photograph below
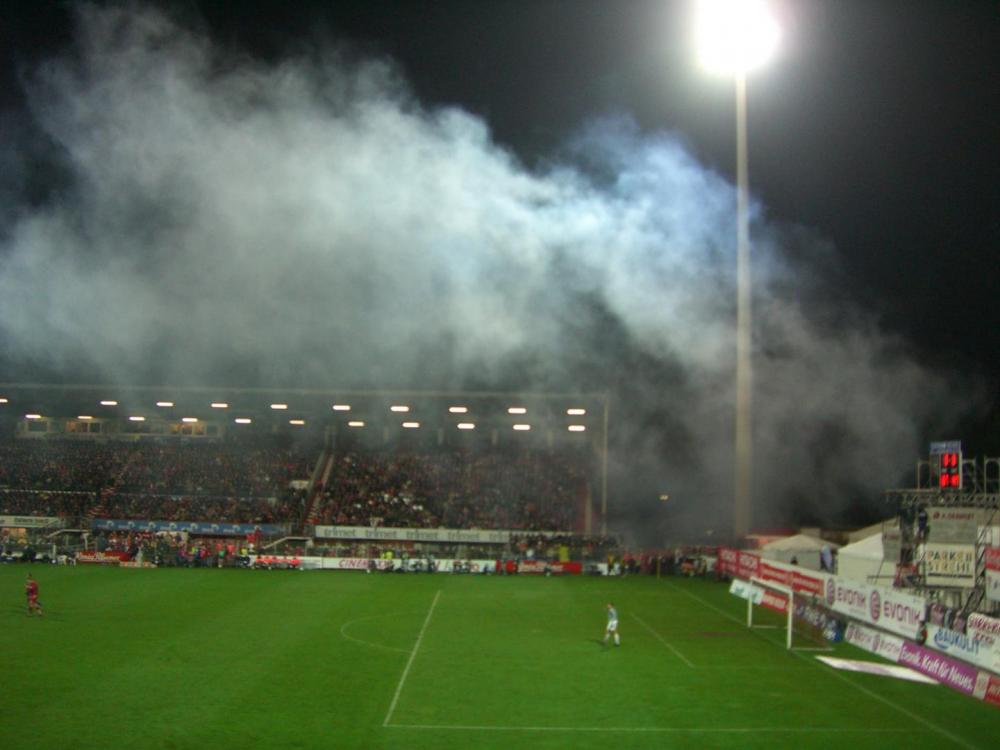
x,y
882,607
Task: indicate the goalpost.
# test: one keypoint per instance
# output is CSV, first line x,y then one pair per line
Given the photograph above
x,y
801,635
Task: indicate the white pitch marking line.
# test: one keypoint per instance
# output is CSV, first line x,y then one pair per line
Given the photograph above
x,y
699,730
662,640
842,678
346,625
413,655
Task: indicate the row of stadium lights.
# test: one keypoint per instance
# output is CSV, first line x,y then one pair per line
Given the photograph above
x,y
396,408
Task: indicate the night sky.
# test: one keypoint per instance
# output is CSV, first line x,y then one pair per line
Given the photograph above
x,y
874,163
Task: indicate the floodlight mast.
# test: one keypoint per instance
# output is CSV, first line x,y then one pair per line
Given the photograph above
x,y
735,37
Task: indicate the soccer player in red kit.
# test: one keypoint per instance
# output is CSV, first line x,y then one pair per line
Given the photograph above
x,y
31,590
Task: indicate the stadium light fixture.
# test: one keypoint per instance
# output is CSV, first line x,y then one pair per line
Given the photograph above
x,y
341,407
458,409
466,426
577,428
32,416
220,405
189,420
576,412
411,425
279,407
243,420
355,423
735,37
3,401
109,402
399,408
85,417
517,410
522,427
136,419
297,422
164,404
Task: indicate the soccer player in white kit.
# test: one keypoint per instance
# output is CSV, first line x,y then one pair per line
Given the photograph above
x,y
612,628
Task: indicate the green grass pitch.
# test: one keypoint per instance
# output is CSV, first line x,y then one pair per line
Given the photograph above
x,y
284,659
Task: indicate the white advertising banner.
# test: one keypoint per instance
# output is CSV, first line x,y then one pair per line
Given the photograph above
x,y
882,607
959,525
950,564
983,627
964,647
874,641
391,534
29,522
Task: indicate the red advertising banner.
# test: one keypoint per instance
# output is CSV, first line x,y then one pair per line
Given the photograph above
x,y
775,601
747,565
993,558
993,691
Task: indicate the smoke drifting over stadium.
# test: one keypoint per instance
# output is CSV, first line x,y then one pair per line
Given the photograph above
x,y
309,222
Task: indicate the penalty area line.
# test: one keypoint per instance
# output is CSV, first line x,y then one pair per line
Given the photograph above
x,y
662,640
409,662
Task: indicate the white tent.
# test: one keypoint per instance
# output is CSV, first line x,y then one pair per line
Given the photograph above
x,y
805,549
862,561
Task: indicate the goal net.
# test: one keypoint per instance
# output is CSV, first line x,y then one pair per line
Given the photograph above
x,y
775,606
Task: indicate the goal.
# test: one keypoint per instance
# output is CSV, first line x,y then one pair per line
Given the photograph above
x,y
775,606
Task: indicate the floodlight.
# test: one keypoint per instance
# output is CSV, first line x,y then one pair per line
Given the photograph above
x,y
735,36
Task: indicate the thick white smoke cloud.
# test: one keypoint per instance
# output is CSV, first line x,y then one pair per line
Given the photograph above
x,y
308,222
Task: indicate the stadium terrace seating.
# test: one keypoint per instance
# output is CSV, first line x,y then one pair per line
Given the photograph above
x,y
231,482
530,490
248,482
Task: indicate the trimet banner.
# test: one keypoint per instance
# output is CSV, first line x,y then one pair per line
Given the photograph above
x,y
390,534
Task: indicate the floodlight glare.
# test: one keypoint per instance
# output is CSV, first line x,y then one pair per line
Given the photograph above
x,y
466,426
279,407
164,403
356,423
522,427
242,420
189,420
399,407
341,407
411,425
85,417
32,416
220,405
577,428
136,419
576,412
3,401
735,36
458,409
517,410
297,421
109,403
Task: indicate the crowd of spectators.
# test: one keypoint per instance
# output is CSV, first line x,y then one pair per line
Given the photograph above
x,y
529,490
241,482
210,509
70,505
217,482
